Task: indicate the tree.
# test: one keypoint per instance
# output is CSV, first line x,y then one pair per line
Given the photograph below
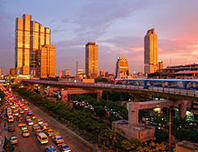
x,y
100,111
161,135
111,139
130,144
152,147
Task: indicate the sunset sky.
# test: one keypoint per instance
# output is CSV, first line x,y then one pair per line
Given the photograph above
x,y
117,26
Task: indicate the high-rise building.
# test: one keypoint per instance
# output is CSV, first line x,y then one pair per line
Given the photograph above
x,y
150,52
160,65
31,36
122,68
91,60
60,74
102,74
48,61
12,71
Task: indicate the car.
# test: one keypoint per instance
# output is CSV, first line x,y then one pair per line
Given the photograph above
x,y
13,106
45,126
21,111
40,122
24,127
50,132
50,149
42,138
25,133
14,140
18,117
39,131
30,122
10,118
27,118
15,113
30,113
35,127
20,124
64,148
33,117
26,108
11,128
58,140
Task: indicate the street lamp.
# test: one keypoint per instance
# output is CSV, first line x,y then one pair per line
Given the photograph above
x,y
169,145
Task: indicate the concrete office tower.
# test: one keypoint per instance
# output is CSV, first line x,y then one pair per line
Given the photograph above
x,y
48,61
30,38
22,46
160,65
122,68
150,52
91,60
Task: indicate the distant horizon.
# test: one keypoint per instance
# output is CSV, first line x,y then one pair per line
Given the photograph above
x,y
118,30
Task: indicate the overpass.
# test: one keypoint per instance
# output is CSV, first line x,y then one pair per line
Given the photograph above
x,y
135,91
131,127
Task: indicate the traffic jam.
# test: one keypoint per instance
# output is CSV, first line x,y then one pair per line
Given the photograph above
x,y
21,123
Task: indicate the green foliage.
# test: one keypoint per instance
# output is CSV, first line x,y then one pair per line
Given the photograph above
x,y
184,134
112,117
78,118
100,111
161,135
130,144
116,96
109,104
152,146
88,111
110,138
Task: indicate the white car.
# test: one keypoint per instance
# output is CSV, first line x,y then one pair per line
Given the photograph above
x,y
40,122
30,123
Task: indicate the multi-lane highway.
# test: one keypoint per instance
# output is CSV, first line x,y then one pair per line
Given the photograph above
x,y
31,143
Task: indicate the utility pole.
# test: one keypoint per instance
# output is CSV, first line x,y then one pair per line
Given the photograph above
x,y
170,128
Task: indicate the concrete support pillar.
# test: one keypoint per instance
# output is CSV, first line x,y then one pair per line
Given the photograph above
x,y
51,92
33,87
99,95
42,88
64,96
182,108
133,113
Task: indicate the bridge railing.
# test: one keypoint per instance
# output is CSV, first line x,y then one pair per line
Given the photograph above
x,y
193,93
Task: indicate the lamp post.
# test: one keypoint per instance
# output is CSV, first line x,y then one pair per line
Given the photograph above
x,y
170,128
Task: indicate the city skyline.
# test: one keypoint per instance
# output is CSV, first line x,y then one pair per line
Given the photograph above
x,y
119,31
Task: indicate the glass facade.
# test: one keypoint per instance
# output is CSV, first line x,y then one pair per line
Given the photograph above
x,y
91,60
150,52
30,37
48,61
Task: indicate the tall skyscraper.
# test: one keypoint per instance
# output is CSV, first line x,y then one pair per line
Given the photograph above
x,y
48,61
91,60
122,68
31,36
150,52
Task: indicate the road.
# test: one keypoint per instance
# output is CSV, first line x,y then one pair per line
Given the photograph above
x,y
31,144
